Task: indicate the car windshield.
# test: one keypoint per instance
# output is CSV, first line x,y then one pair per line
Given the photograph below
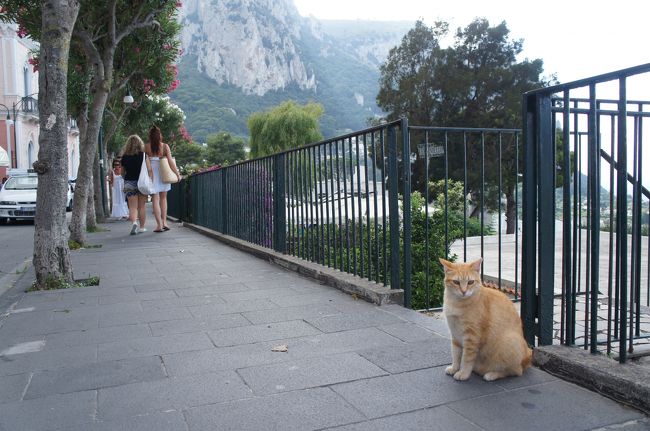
x,y
21,183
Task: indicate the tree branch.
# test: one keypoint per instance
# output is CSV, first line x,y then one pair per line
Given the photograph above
x,y
90,49
135,25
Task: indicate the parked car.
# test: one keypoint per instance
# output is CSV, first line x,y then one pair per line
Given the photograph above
x,y
18,196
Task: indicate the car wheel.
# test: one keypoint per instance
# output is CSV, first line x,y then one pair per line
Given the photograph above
x,y
69,207
3,220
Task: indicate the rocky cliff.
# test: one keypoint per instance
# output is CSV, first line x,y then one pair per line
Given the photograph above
x,y
246,43
242,56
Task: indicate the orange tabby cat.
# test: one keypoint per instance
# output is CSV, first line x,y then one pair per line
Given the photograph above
x,y
486,332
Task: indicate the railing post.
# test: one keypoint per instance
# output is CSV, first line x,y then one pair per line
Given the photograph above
x,y
393,208
529,222
279,205
406,158
539,213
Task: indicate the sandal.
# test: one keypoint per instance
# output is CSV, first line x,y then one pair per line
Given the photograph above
x,y
158,230
165,228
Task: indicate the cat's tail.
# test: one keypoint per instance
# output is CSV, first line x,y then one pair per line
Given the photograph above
x,y
528,359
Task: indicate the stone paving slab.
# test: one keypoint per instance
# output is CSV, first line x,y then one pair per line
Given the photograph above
x,y
550,406
94,376
170,394
433,419
152,348
310,409
309,373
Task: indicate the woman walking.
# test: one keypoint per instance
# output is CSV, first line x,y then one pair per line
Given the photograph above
x,y
156,149
132,164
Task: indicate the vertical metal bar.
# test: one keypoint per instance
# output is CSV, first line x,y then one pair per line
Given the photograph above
x,y
279,197
636,207
393,206
546,217
613,298
224,201
529,219
338,194
319,208
353,220
333,218
310,200
569,335
465,197
365,169
327,212
361,251
594,176
517,293
384,132
621,215
375,205
301,215
345,195
406,152
499,143
427,295
482,201
446,195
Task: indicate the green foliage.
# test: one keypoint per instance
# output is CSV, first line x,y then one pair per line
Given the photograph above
x,y
476,82
286,126
188,155
224,149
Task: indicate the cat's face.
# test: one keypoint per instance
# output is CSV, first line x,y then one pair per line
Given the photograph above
x,y
463,280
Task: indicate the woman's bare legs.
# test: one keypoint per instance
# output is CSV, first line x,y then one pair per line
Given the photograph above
x,y
155,204
142,209
163,208
132,201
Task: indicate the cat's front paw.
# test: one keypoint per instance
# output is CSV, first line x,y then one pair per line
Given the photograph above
x,y
462,375
451,370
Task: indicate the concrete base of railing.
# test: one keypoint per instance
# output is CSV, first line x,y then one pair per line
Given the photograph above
x,y
626,383
361,288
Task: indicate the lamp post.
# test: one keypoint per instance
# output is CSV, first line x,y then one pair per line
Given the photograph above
x,y
27,104
8,123
127,100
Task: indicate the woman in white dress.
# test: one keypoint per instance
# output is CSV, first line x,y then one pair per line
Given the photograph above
x,y
119,208
156,149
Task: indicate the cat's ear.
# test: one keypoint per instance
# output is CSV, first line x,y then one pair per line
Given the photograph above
x,y
476,265
446,265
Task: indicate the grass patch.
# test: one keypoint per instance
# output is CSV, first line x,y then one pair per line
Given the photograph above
x,y
74,245
96,229
57,283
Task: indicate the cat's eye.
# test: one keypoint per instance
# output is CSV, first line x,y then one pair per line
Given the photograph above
x,y
456,282
470,282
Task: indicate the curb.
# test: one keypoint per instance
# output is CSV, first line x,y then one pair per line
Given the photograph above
x,y
628,384
367,290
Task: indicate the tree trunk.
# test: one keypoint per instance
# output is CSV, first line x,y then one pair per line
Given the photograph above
x,y
91,219
511,209
100,216
87,151
51,253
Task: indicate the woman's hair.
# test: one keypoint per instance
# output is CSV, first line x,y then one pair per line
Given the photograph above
x,y
134,145
155,140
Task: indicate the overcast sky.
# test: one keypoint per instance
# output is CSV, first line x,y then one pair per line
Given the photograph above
x,y
575,38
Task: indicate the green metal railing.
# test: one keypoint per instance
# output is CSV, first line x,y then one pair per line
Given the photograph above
x,y
336,203
596,293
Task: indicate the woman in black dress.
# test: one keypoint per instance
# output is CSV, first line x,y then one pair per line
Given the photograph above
x,y
132,164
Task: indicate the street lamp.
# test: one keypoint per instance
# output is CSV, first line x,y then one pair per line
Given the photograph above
x,y
127,100
27,104
8,122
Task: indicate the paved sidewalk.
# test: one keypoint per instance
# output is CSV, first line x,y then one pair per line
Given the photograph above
x,y
179,335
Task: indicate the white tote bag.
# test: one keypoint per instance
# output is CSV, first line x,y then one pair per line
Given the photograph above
x,y
145,183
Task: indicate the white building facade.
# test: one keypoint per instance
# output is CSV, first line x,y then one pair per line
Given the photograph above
x,y
19,123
